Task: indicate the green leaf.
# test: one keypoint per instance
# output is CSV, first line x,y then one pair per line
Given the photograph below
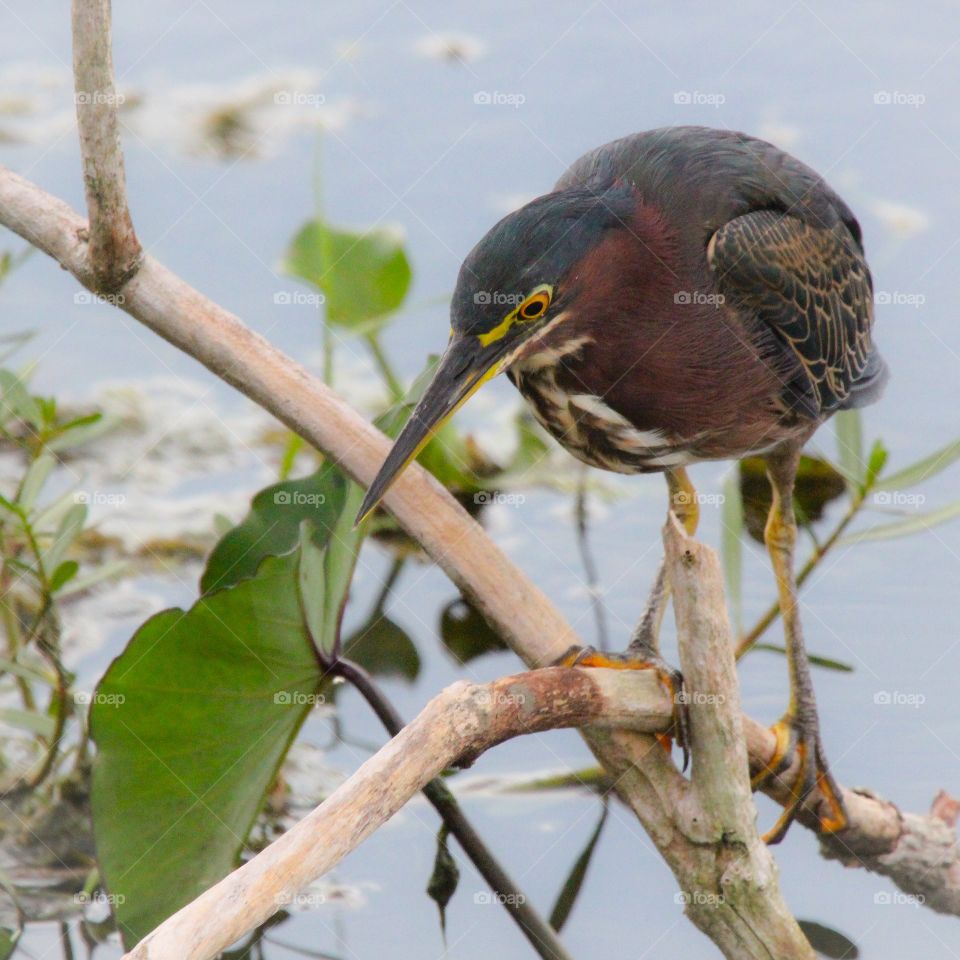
x,y
731,544
106,571
445,877
83,430
574,882
364,276
39,723
383,648
272,527
27,672
465,633
63,574
848,427
908,525
875,463
829,942
815,659
339,562
16,402
191,723
68,531
8,942
922,470
34,479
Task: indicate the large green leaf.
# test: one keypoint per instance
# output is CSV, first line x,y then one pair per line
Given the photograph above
x,y
272,526
364,276
191,722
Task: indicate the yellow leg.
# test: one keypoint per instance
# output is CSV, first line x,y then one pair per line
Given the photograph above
x,y
797,732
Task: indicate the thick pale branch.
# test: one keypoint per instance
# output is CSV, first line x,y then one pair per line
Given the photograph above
x,y
461,722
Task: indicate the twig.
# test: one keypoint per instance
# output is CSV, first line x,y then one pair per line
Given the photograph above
x,y
114,248
542,937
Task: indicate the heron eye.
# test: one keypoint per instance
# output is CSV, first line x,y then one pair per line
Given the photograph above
x,y
536,306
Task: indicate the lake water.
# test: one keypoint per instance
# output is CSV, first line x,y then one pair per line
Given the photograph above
x,y
865,93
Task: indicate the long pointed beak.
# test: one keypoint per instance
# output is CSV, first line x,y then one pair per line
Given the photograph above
x,y
464,367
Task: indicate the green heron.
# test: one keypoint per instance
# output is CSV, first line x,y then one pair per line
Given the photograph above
x,y
683,294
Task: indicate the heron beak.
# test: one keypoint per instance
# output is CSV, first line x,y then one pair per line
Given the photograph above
x,y
464,367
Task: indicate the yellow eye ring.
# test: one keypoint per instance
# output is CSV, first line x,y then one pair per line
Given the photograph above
x,y
535,307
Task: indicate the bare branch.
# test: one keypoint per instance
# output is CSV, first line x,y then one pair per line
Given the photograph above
x,y
114,249
463,720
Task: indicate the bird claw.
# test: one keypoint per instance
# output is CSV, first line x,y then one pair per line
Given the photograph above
x,y
801,739
671,679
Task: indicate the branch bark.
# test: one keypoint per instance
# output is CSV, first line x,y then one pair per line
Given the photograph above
x,y
114,248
